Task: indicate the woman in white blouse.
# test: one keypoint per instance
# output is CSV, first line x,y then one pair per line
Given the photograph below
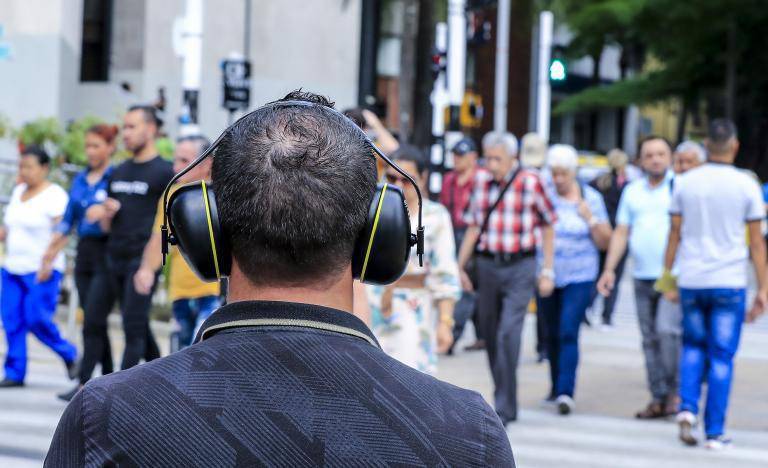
x,y
29,290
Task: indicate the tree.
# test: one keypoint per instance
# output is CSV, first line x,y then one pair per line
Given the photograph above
x,y
710,54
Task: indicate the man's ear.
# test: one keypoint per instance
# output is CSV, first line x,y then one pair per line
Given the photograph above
x,y
736,145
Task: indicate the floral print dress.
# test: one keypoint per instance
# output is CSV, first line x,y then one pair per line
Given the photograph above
x,y
407,329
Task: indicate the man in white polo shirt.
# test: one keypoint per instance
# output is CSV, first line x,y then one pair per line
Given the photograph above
x,y
707,237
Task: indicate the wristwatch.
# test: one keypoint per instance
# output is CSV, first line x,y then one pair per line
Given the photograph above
x,y
547,273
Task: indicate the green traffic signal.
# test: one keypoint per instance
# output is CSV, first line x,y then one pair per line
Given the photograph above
x,y
558,70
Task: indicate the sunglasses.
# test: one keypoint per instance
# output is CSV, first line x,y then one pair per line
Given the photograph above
x,y
395,178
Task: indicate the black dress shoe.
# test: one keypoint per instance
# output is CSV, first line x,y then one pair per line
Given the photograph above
x,y
67,396
8,383
73,369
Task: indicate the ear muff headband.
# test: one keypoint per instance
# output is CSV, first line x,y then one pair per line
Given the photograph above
x,y
417,239
373,233
210,230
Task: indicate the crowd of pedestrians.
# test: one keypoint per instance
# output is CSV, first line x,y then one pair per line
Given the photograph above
x,y
514,229
114,211
526,226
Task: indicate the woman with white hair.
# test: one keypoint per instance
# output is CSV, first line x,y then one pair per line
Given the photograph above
x,y
582,228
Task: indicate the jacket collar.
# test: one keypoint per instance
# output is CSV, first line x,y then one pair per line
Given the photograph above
x,y
284,314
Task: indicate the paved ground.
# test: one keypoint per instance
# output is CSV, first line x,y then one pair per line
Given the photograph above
x,y
601,433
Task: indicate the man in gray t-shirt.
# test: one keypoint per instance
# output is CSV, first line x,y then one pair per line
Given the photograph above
x,y
711,205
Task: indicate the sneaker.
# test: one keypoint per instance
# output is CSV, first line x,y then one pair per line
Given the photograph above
x,y
717,443
550,400
686,421
67,396
607,327
565,404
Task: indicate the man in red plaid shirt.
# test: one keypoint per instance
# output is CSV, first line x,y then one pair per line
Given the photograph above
x,y
504,249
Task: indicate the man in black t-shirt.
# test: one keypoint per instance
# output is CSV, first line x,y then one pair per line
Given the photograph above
x,y
129,211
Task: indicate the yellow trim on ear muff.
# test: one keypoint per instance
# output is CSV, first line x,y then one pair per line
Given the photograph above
x,y
373,232
210,229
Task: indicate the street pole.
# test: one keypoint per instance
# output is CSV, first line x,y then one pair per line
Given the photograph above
x,y
191,73
456,58
439,103
544,94
406,81
247,31
501,85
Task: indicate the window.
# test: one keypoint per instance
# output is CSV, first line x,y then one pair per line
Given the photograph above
x,y
97,32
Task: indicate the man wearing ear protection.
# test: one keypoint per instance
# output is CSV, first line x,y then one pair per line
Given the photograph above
x,y
284,374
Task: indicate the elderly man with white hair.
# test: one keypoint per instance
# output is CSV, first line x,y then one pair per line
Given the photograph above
x,y
507,206
687,156
582,228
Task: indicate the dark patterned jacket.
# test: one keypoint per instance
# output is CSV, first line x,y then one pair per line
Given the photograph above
x,y
279,384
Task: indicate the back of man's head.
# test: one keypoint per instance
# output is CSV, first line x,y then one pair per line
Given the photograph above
x,y
722,138
293,187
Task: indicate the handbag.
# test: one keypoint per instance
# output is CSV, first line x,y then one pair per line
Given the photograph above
x,y
471,265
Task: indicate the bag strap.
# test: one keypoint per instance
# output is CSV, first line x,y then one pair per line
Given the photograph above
x,y
484,226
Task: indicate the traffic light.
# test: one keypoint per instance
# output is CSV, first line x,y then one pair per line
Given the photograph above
x,y
439,62
558,70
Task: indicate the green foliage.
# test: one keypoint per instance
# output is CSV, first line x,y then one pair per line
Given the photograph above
x,y
5,126
72,144
688,39
44,131
164,147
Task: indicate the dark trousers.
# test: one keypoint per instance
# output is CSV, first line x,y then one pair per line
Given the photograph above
x,y
564,311
503,295
609,302
466,307
116,284
88,264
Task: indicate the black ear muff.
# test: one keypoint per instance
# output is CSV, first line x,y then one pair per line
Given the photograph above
x,y
382,250
193,219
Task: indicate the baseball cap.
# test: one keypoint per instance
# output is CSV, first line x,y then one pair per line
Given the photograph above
x,y
464,146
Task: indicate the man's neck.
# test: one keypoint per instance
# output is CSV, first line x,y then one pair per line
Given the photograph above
x,y
337,295
722,158
146,153
654,181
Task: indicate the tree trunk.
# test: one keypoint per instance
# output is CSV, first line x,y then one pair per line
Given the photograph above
x,y
425,41
594,115
730,72
682,118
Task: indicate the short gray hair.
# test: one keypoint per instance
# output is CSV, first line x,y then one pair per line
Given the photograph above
x,y
504,139
690,145
202,142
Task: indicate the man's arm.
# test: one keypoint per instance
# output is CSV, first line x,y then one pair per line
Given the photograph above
x,y
616,249
758,255
673,241
465,252
68,444
151,261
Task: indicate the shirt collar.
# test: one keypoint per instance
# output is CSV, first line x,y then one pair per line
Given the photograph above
x,y
284,314
667,179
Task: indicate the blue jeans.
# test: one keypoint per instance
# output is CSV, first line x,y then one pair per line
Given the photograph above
x,y
29,306
190,314
712,321
563,312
